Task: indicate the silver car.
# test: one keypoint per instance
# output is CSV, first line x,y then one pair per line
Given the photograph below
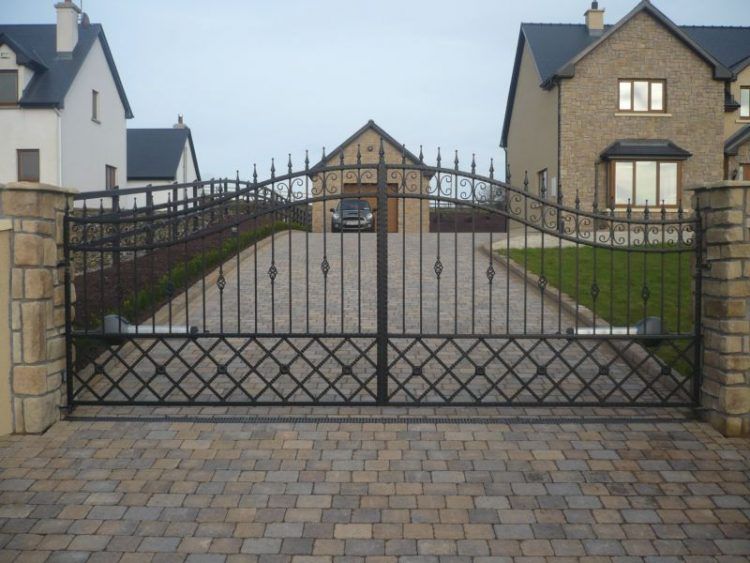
x,y
352,215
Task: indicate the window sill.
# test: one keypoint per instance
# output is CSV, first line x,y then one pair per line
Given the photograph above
x,y
641,114
743,120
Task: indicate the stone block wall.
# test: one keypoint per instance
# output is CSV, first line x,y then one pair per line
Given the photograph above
x,y
36,303
725,208
590,120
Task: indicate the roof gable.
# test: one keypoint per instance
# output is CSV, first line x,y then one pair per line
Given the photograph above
x,y
54,74
556,48
382,133
154,154
721,72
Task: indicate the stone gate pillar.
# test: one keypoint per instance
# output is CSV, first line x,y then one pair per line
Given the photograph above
x,y
32,310
725,396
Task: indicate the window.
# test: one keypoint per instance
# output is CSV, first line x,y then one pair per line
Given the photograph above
x,y
542,182
8,87
110,177
94,106
745,102
28,165
645,181
642,96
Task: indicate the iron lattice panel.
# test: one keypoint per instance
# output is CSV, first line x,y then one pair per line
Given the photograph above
x,y
228,370
523,371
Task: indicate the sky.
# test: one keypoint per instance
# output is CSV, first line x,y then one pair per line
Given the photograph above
x,y
257,79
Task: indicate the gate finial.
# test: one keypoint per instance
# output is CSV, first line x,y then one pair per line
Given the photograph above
x,y
492,168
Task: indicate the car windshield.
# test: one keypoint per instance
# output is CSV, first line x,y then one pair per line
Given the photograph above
x,y
354,205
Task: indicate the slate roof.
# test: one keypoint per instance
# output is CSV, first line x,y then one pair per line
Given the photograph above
x,y
557,47
35,46
637,148
154,154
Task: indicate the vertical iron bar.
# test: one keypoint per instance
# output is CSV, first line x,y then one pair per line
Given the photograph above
x,y
698,314
68,305
382,280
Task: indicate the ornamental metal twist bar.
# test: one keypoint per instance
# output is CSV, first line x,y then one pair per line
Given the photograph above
x,y
374,277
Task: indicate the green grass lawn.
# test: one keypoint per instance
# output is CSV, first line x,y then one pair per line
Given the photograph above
x,y
621,277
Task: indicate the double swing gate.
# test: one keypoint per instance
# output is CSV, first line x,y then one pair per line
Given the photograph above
x,y
241,293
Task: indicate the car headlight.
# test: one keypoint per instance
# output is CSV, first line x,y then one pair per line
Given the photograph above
x,y
368,216
336,216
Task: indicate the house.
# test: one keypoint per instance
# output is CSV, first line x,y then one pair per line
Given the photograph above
x,y
629,113
159,157
63,108
366,142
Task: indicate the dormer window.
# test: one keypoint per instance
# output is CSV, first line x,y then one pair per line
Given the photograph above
x,y
745,102
8,87
642,96
94,106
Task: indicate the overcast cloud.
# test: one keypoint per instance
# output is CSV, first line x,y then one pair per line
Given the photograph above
x,y
260,79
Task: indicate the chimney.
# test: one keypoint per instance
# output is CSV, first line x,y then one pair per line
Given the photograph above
x,y
67,27
180,122
595,19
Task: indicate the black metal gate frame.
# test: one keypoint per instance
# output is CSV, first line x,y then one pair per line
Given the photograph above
x,y
281,198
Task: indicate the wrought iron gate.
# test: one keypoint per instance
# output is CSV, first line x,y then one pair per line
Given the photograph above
x,y
240,293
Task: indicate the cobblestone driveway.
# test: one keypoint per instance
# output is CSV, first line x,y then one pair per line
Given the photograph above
x,y
375,491
298,299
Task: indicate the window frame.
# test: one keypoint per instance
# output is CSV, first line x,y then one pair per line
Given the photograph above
x,y
110,173
542,178
20,152
14,103
659,161
745,115
651,82
95,106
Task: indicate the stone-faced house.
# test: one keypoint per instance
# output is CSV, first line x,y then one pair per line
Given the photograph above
x,y
403,213
633,111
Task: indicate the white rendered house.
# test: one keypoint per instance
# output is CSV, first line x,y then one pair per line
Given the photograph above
x,y
63,108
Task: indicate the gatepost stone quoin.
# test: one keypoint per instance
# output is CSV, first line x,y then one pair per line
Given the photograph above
x,y
32,363
725,395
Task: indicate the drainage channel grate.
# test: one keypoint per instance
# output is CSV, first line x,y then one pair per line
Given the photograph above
x,y
313,419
